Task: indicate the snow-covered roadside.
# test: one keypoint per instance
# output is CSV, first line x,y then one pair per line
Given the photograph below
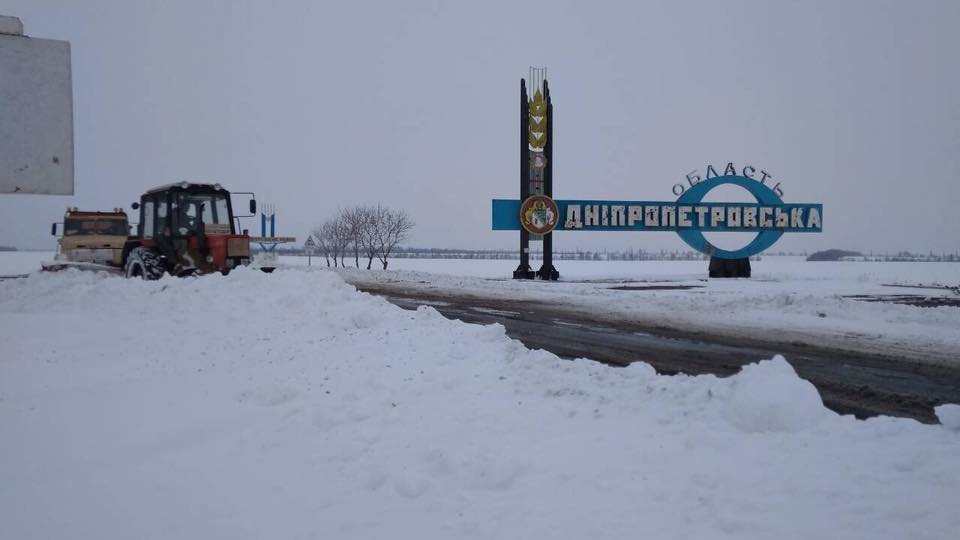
x,y
770,267
789,300
291,406
16,263
807,305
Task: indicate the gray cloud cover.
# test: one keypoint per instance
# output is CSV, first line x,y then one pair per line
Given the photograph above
x,y
316,105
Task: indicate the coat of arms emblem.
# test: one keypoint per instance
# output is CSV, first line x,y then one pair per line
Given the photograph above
x,y
539,214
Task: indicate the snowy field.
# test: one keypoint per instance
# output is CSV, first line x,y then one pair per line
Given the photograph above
x,y
773,268
22,262
768,268
291,406
787,300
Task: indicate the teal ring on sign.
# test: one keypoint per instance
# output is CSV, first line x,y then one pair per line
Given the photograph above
x,y
764,196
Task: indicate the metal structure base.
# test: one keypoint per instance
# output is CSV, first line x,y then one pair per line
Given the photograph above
x,y
548,273
524,272
729,268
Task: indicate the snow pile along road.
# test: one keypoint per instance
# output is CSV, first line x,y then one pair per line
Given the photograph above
x,y
291,406
792,302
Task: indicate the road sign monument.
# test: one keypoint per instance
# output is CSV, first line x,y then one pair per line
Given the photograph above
x,y
537,215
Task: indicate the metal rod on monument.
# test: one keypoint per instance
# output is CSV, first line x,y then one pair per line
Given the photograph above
x,y
547,271
523,270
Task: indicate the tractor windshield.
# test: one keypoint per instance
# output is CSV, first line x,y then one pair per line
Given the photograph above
x,y
212,209
109,227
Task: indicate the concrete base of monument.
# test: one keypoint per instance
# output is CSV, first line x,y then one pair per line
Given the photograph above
x,y
729,268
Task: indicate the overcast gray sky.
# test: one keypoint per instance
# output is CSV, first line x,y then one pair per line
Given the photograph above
x,y
318,105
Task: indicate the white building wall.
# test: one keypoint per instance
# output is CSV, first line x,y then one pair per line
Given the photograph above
x,y
36,113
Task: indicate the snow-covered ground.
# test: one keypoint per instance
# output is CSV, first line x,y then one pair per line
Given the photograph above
x,y
291,406
772,268
787,300
14,263
768,268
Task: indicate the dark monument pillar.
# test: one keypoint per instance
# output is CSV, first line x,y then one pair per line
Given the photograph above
x,y
547,271
524,271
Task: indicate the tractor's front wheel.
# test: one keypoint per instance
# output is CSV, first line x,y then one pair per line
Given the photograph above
x,y
144,263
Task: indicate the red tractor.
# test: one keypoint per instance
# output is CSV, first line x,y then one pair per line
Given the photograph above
x,y
186,229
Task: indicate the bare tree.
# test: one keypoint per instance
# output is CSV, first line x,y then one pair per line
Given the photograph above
x,y
341,238
322,235
332,239
355,221
373,231
368,233
392,227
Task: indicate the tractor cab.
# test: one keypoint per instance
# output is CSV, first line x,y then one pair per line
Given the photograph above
x,y
187,229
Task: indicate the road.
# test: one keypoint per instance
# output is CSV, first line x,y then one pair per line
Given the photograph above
x,y
850,383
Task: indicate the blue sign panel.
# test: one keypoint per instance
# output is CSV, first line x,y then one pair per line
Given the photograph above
x,y
688,216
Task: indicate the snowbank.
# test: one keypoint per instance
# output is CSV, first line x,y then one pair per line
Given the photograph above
x,y
290,406
949,416
769,397
793,302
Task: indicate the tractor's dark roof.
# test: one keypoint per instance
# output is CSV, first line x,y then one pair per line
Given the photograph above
x,y
186,186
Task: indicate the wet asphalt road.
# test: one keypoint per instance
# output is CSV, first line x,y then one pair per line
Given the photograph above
x,y
850,383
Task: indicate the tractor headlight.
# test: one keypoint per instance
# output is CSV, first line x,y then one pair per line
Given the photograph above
x,y
209,258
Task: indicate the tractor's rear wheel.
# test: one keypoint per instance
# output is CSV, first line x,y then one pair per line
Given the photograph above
x,y
144,263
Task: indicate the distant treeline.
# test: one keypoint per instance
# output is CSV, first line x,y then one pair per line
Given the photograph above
x,y
511,254
562,255
833,255
7,248
644,255
903,256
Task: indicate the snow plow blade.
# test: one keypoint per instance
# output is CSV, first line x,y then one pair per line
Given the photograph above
x,y
56,266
